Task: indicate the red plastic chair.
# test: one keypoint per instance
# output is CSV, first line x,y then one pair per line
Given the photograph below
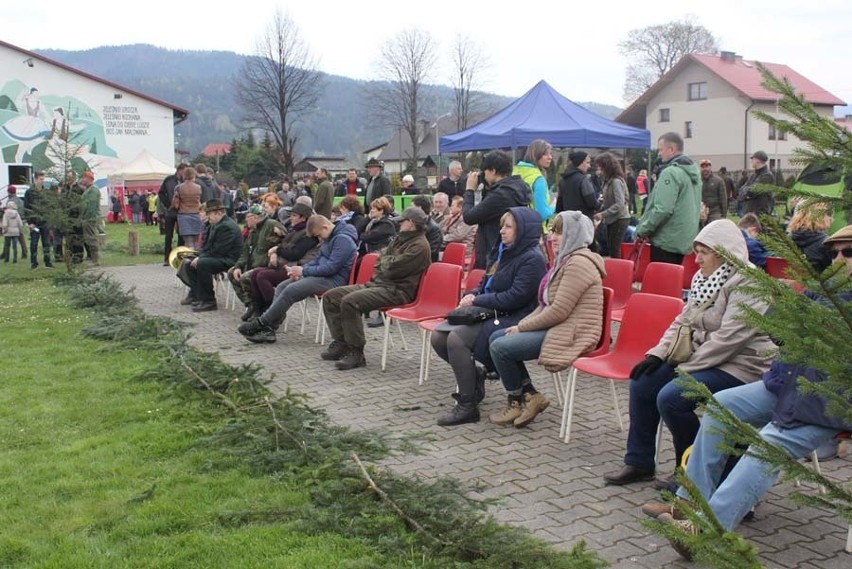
x,y
777,267
437,294
619,277
664,279
646,319
644,259
472,280
690,267
367,267
454,254
599,350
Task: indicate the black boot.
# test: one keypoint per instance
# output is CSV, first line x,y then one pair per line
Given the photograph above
x,y
354,358
465,411
250,327
249,312
479,389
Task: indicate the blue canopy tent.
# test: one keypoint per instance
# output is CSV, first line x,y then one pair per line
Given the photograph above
x,y
544,113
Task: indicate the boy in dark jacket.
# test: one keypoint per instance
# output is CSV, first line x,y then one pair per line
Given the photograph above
x,y
395,282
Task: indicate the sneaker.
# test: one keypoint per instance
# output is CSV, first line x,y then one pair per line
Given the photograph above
x,y
354,358
376,321
265,335
208,306
251,327
534,403
335,351
508,415
686,527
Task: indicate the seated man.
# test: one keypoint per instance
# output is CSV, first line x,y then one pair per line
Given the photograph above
x,y
788,418
297,247
433,232
440,208
220,251
328,270
395,281
264,233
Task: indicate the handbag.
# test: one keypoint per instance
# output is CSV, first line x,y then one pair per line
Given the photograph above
x,y
636,254
465,315
175,200
681,347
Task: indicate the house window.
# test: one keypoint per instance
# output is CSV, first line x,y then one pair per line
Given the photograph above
x,y
698,91
664,115
687,129
776,134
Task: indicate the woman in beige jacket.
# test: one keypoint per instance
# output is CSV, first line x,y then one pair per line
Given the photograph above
x,y
727,353
566,323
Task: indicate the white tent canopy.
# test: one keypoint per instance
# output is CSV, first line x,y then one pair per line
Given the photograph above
x,y
145,167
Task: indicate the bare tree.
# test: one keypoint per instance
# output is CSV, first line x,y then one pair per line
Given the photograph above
x,y
278,85
469,66
406,62
652,51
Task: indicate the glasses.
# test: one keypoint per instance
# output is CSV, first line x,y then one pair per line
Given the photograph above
x,y
846,252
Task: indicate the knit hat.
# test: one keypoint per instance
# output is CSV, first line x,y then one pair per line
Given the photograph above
x,y
12,189
256,209
577,157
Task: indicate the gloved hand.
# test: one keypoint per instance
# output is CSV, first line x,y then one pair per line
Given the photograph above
x,y
649,365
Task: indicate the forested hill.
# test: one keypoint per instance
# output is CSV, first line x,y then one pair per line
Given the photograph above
x,y
205,83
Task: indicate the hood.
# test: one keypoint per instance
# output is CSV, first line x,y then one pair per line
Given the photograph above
x,y
344,229
571,171
529,228
578,231
806,238
521,189
596,260
685,164
724,233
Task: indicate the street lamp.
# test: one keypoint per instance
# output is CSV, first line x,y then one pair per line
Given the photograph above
x,y
438,145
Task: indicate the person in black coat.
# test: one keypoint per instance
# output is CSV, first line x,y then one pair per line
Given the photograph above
x,y
510,290
576,191
504,191
808,229
380,229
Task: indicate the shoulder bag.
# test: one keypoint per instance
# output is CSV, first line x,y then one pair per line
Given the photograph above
x,y
681,347
465,315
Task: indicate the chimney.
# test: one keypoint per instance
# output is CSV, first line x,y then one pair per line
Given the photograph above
x,y
728,56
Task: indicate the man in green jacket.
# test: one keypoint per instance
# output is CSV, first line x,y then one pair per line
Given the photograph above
x,y
220,251
90,214
670,219
395,282
264,234
323,194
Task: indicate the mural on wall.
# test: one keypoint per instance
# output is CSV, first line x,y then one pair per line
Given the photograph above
x,y
51,131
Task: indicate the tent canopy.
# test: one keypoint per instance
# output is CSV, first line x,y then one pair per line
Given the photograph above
x,y
544,113
145,167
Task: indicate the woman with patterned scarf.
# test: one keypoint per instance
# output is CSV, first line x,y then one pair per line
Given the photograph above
x,y
726,353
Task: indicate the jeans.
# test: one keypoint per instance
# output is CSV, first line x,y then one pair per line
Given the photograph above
x,y
288,293
655,396
39,233
750,478
509,354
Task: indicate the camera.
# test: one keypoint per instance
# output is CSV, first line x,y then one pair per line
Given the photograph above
x,y
480,178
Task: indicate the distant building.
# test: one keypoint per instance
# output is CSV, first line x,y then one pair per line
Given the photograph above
x,y
337,166
216,149
709,100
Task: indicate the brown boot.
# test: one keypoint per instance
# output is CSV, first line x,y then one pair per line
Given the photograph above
x,y
534,403
511,412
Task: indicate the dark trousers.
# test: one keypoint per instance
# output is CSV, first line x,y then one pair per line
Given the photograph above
x,y
456,348
344,306
36,234
23,244
662,256
11,241
615,236
169,230
263,283
199,279
655,396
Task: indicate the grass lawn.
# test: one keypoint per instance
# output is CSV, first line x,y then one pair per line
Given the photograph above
x,y
84,444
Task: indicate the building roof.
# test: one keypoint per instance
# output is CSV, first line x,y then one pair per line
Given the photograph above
x,y
743,75
179,113
216,149
331,163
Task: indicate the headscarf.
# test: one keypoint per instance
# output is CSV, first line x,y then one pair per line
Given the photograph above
x,y
578,231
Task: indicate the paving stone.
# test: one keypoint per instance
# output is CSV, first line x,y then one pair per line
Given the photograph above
x,y
551,488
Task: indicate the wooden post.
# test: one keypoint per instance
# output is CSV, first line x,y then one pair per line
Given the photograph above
x,y
133,243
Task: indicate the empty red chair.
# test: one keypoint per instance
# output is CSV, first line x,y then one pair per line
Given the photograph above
x,y
777,267
646,318
644,259
619,277
664,279
437,294
690,267
472,280
454,254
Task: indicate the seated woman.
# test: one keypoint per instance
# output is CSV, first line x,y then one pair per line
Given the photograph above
x,y
455,230
352,212
509,289
380,229
566,323
808,229
726,353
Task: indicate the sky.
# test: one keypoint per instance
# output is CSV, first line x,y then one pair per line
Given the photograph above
x,y
579,58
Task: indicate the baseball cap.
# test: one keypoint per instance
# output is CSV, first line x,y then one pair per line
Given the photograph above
x,y
415,215
761,155
256,209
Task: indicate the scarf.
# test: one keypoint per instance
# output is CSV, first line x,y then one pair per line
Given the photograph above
x,y
704,288
493,270
345,217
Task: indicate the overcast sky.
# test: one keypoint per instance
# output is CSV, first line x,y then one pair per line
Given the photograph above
x,y
578,57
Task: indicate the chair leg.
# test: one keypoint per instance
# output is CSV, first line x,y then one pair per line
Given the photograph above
x,y
659,444
617,407
387,326
401,335
568,407
420,378
304,317
557,387
849,540
320,321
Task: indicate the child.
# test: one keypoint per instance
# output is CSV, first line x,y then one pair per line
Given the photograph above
x,y
12,227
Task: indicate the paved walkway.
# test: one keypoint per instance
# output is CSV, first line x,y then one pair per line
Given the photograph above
x,y
552,488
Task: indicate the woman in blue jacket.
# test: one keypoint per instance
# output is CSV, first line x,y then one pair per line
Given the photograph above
x,y
509,288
